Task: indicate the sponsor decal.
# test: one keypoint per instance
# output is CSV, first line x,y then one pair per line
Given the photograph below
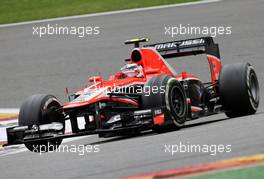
x,y
176,44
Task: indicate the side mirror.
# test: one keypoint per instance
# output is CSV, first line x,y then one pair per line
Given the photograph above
x,y
95,79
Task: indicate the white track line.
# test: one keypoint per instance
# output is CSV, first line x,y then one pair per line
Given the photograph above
x,y
9,110
7,123
109,13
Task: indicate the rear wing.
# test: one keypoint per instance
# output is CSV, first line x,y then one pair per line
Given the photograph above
x,y
203,45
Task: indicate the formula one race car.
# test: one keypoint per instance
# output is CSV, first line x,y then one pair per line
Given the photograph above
x,y
146,94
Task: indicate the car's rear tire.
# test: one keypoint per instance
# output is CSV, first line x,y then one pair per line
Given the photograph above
x,y
170,94
33,112
239,89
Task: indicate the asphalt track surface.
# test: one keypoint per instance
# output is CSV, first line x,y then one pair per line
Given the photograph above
x,y
32,65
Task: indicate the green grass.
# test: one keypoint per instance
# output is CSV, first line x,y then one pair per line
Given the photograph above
x,y
24,10
254,172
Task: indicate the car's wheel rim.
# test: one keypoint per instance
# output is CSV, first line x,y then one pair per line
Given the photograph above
x,y
57,114
254,87
177,101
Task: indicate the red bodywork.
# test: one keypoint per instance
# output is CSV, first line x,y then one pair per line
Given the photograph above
x,y
108,112
153,65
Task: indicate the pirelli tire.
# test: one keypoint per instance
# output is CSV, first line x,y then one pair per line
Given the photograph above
x,y
34,112
166,91
239,89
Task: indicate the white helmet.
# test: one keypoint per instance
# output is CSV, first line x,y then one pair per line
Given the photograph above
x,y
132,70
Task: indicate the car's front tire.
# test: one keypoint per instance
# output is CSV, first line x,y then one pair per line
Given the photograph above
x,y
33,112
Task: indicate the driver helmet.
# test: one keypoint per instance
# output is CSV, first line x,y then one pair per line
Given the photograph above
x,y
132,70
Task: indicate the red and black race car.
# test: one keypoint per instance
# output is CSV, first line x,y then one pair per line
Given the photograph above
x,y
147,94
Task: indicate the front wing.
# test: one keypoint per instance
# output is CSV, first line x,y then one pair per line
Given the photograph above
x,y
139,120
